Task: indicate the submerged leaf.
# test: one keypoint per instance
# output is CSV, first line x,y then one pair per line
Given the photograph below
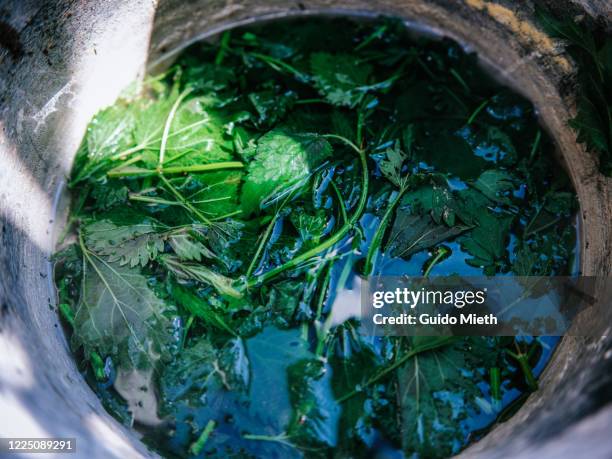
x,y
133,244
340,78
495,184
119,315
282,164
412,233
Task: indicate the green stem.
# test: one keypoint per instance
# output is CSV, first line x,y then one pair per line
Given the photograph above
x,y
122,171
477,111
261,245
495,377
340,202
380,232
398,363
197,447
332,240
164,140
98,366
223,47
440,254
536,143
67,314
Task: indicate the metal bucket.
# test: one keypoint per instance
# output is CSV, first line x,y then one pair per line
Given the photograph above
x,y
61,61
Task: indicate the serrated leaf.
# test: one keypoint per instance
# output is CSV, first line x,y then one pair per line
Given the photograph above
x,y
496,185
131,244
412,233
340,78
119,315
200,273
186,247
438,390
391,166
487,241
282,163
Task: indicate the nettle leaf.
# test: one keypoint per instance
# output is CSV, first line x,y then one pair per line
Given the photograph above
x,y
590,125
187,247
108,133
109,195
340,78
199,307
495,145
197,135
118,315
283,163
316,414
272,352
412,233
451,153
487,241
271,105
150,118
496,185
131,243
204,372
201,273
438,390
529,263
310,227
214,193
469,204
391,166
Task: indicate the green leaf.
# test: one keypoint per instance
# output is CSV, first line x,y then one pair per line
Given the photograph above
x,y
271,106
487,241
187,247
340,78
200,308
127,243
204,373
496,185
412,233
310,227
119,315
271,353
315,413
108,133
438,390
197,135
282,164
201,273
391,166
451,153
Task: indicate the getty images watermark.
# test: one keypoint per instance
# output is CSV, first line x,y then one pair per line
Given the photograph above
x,y
480,306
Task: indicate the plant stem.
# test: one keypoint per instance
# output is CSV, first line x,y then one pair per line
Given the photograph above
x,y
122,171
197,447
164,140
223,47
340,202
380,232
536,143
441,253
67,313
477,111
495,377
